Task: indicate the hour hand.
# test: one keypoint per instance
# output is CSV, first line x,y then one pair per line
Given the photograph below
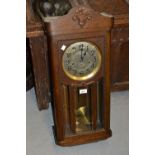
x,y
81,56
81,49
84,53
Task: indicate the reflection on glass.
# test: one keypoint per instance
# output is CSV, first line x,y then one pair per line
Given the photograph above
x,y
83,112
82,119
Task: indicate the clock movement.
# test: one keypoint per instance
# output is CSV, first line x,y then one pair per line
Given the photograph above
x,y
79,51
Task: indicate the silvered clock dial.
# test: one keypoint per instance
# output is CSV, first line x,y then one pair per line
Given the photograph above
x,y
81,60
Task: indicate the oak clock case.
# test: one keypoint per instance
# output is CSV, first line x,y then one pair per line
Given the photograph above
x,y
80,72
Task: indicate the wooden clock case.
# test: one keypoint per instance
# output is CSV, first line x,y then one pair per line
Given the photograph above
x,y
80,24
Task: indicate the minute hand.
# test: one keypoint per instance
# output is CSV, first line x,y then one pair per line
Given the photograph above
x,y
81,55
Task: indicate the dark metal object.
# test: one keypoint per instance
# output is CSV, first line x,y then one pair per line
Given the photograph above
x,y
45,7
48,8
61,7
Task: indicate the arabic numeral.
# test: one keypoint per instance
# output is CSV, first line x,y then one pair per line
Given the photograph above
x,y
88,70
69,55
69,68
81,47
81,73
94,59
75,72
68,62
92,52
93,65
73,48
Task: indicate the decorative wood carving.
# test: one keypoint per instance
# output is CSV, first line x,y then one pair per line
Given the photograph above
x,y
82,16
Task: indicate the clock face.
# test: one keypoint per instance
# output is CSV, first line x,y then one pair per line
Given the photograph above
x,y
81,61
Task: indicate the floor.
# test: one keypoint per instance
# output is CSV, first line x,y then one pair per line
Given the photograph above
x,y
40,140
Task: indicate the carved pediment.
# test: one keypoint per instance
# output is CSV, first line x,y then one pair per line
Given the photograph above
x,y
82,16
80,19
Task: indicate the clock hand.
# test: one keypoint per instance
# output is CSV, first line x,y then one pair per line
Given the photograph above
x,y
81,56
81,49
85,52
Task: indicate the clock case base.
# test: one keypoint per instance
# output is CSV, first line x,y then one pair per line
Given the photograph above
x,y
83,139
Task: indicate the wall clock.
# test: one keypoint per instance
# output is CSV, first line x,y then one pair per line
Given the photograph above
x,y
79,49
